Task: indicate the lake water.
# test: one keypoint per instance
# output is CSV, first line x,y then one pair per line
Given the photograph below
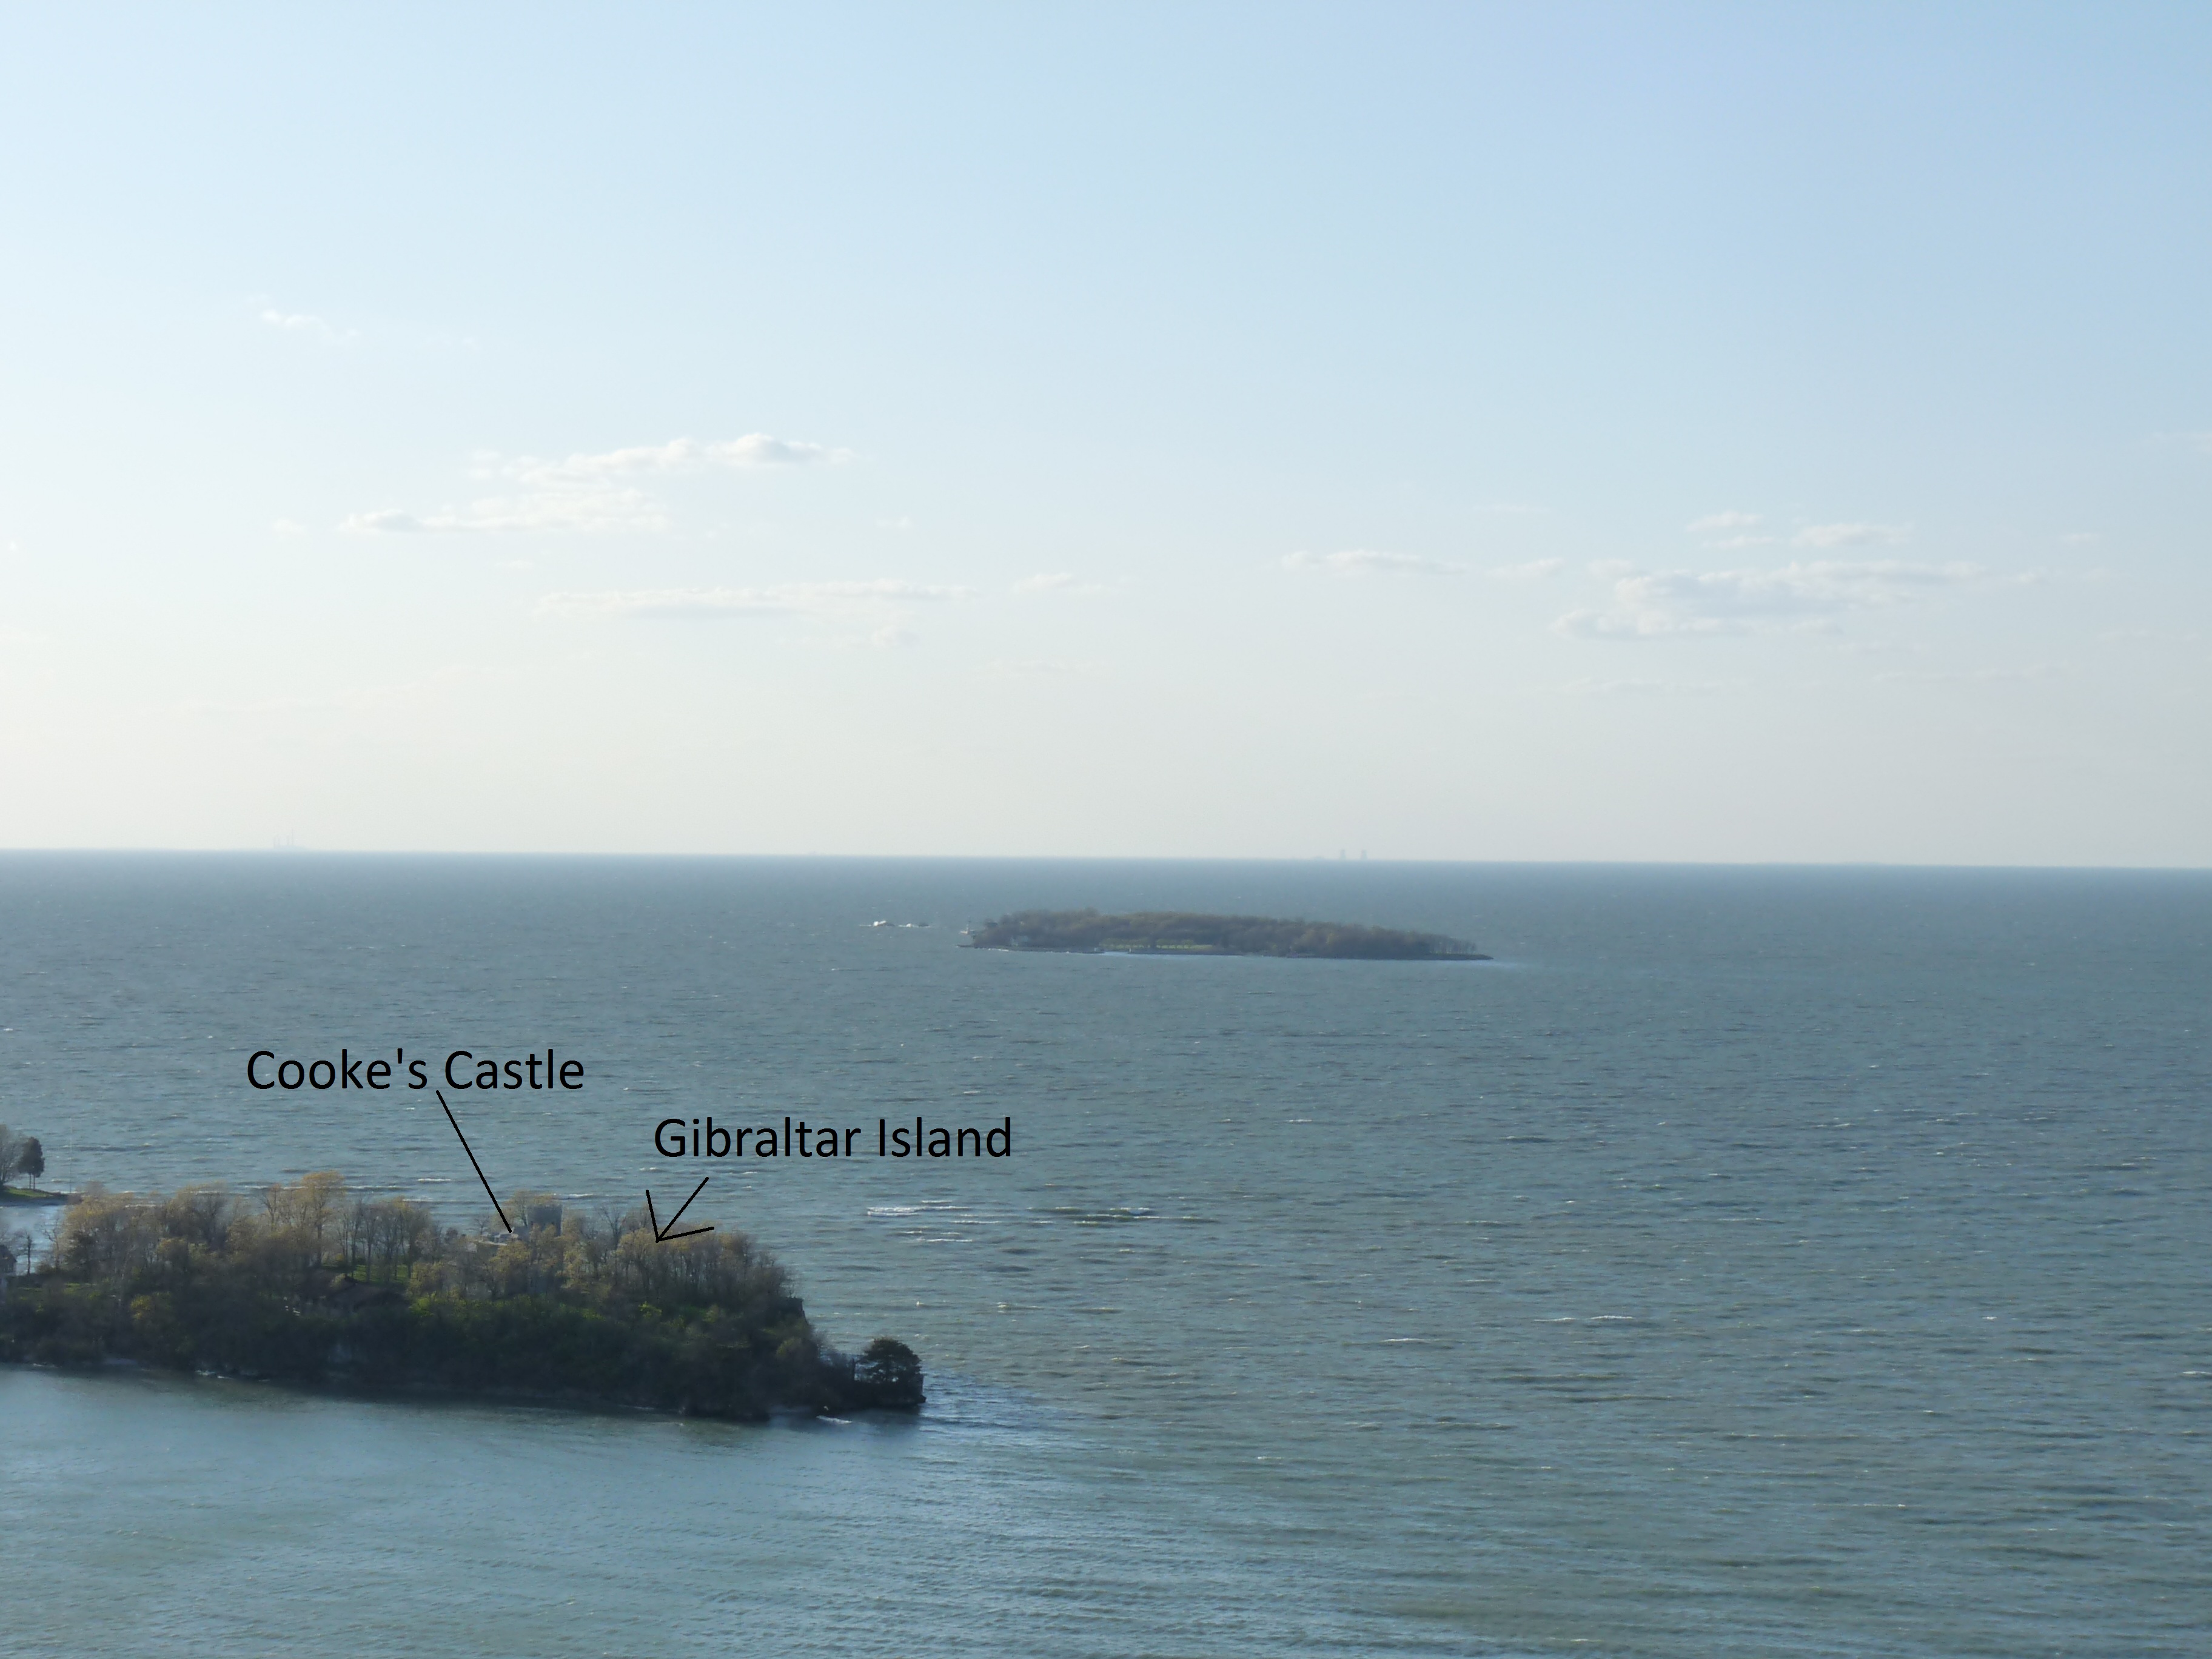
x,y
1746,1261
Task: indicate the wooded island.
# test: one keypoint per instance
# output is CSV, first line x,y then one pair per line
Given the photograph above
x,y
1149,933
306,1282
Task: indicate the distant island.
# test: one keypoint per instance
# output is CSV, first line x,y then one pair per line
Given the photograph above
x,y
307,1283
1180,932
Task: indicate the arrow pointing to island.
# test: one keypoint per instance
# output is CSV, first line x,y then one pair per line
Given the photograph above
x,y
661,1233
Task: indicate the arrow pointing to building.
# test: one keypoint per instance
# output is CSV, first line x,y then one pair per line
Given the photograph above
x,y
661,1233
479,1168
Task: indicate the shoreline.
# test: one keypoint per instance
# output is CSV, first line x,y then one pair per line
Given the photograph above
x,y
339,1386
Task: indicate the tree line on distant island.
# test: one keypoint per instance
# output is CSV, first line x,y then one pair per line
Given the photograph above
x,y
306,1282
1164,932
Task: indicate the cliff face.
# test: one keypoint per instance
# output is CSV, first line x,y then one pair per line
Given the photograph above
x,y
305,1287
1165,932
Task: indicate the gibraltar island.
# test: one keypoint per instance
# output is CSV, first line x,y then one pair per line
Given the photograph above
x,y
1180,932
307,1282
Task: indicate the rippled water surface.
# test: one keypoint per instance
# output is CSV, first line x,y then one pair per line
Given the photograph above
x,y
1744,1261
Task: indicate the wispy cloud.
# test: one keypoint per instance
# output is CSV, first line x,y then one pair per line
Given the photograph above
x,y
568,511
710,604
1851,535
1366,561
1657,603
1732,529
1715,523
1736,528
1974,676
389,522
593,493
1058,581
304,323
755,449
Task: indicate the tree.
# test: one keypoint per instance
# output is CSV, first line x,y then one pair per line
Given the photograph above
x,y
11,1153
889,1373
32,1160
308,1212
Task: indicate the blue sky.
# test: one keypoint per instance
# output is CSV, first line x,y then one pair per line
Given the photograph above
x,y
1714,433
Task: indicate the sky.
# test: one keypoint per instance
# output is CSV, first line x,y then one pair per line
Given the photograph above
x,y
1717,433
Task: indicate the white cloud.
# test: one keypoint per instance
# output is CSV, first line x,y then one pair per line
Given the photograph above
x,y
588,493
1366,561
1654,603
571,509
755,449
1851,535
782,599
1718,522
1974,676
1058,581
304,323
389,522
